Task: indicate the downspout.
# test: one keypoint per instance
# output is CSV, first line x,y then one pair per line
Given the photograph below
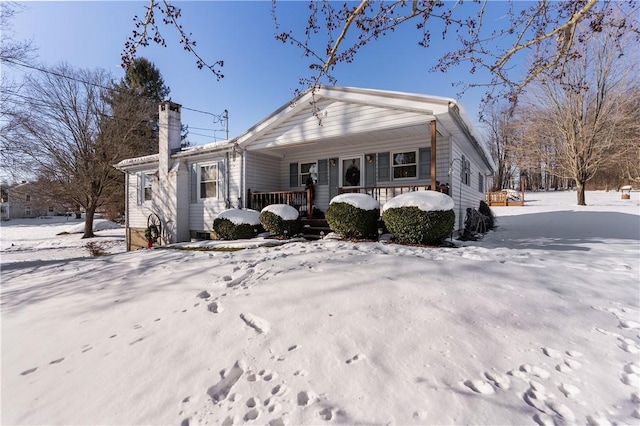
x,y
243,190
433,156
228,181
127,231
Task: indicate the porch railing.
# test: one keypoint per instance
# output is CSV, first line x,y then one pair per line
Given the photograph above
x,y
504,198
384,193
300,200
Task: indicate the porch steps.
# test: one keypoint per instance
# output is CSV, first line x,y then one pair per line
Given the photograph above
x,y
314,229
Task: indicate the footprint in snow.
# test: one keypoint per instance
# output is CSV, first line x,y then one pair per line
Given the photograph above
x,y
305,398
568,390
535,370
552,353
630,379
498,380
29,371
220,390
479,386
326,414
215,307
561,410
355,359
258,324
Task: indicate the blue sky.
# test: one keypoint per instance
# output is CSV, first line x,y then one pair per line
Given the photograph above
x,y
261,73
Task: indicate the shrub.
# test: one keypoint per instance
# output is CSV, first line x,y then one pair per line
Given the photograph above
x,y
486,210
422,217
95,249
350,221
236,224
281,219
414,226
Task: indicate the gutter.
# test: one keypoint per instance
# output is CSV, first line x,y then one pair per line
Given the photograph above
x,y
454,110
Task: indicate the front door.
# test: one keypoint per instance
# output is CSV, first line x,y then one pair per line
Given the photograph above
x,y
351,172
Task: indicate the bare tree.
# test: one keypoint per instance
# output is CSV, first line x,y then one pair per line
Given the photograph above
x,y
544,31
500,135
12,53
59,131
576,122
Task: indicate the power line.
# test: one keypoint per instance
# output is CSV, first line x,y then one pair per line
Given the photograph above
x,y
224,115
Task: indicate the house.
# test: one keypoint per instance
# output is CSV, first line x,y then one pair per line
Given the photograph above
x,y
23,200
340,139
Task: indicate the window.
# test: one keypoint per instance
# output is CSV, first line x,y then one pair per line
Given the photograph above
x,y
480,182
465,171
28,198
208,181
404,165
308,171
27,211
148,185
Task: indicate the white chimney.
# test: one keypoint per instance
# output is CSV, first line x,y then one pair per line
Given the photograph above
x,y
169,134
173,177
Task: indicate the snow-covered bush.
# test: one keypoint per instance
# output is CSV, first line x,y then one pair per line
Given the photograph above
x,y
353,215
237,224
281,219
420,217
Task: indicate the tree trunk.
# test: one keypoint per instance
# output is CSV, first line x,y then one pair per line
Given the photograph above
x,y
88,222
580,193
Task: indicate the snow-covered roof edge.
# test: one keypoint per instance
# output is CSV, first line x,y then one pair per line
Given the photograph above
x,y
137,161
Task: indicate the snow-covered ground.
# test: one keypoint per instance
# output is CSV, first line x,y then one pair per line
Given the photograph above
x,y
539,322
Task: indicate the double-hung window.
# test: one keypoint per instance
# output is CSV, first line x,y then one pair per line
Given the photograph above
x,y
308,171
208,179
405,165
148,186
145,187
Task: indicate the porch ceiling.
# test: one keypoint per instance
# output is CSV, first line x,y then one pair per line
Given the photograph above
x,y
359,138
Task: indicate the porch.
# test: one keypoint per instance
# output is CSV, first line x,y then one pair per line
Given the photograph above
x,y
303,202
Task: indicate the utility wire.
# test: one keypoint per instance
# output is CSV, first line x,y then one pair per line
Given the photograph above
x,y
113,89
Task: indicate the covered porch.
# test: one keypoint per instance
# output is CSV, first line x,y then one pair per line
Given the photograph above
x,y
303,202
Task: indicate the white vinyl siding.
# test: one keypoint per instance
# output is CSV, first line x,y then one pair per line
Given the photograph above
x,y
203,210
139,210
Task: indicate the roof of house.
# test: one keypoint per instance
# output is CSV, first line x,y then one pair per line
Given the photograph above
x,y
418,107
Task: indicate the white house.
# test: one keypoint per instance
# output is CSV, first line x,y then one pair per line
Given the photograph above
x,y
341,139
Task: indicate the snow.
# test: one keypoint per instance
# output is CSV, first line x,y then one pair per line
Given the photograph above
x,y
285,211
360,201
535,323
424,200
241,216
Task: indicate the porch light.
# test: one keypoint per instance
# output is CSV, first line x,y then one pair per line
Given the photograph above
x,y
369,159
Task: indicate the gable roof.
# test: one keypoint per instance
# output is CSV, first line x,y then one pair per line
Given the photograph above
x,y
328,112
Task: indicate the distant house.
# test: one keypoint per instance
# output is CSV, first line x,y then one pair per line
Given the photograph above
x,y
22,202
25,200
340,139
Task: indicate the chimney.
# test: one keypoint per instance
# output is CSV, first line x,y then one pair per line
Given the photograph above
x,y
169,134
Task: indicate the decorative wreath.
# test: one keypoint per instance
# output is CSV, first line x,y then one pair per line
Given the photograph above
x,y
152,233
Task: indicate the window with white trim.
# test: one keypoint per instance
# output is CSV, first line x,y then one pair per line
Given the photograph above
x,y
404,165
308,171
147,186
208,179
